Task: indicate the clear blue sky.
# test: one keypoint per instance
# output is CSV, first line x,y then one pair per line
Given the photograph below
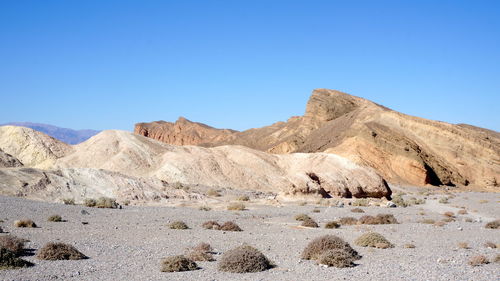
x,y
242,64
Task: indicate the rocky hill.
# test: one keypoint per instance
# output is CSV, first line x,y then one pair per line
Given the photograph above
x,y
128,166
402,148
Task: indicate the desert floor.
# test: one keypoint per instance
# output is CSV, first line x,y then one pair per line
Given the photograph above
x,y
128,243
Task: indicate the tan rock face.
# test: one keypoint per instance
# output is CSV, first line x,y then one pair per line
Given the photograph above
x,y
8,161
125,165
403,149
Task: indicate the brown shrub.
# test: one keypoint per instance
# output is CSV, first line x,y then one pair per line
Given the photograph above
x,y
177,264
332,224
409,246
302,217
337,258
440,223
357,210
449,214
13,244
478,260
59,251
373,239
448,219
378,219
230,226
493,224
243,259
89,202
243,198
427,221
316,210
310,223
202,252
463,245
178,225
105,202
213,193
462,212
236,207
24,223
55,218
211,225
497,259
9,260
348,221
490,245
469,220
327,242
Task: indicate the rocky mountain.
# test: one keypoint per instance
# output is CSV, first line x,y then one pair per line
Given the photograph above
x,y
69,136
402,148
131,167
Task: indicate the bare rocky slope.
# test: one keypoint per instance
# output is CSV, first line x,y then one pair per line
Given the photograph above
x,y
123,165
402,148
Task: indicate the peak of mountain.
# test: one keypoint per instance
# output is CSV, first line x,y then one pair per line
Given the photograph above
x,y
402,148
66,135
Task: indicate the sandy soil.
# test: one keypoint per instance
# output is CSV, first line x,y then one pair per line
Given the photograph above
x,y
128,244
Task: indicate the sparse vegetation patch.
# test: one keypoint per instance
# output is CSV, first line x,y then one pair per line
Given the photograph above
x,y
59,251
24,223
177,264
244,259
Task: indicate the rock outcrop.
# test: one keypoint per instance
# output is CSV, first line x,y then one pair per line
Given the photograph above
x,y
7,161
125,165
403,149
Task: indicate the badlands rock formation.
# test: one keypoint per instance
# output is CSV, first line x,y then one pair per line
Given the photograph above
x,y
128,166
403,149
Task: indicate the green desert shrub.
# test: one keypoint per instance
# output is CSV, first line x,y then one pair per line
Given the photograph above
x,y
9,260
204,208
348,221
211,225
493,224
55,218
24,223
89,202
302,217
236,207
373,239
177,264
178,225
327,242
68,201
332,225
230,226
310,223
243,259
13,244
59,251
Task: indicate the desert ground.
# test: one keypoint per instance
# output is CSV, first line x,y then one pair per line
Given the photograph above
x,y
129,243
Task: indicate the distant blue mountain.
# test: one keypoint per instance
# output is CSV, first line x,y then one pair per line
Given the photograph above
x,y
69,136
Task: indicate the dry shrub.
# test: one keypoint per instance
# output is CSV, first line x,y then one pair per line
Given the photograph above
x,y
178,225
302,217
105,202
373,239
89,202
361,203
211,225
489,244
449,214
462,212
409,246
378,219
204,208
316,210
440,223
213,193
337,258
447,219
68,201
9,260
497,259
13,244
444,200
55,218
230,226
310,223
328,242
243,259
59,251
332,224
463,245
483,201
427,221
468,220
357,210
243,198
236,207
493,224
348,221
177,264
478,260
202,252
24,223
